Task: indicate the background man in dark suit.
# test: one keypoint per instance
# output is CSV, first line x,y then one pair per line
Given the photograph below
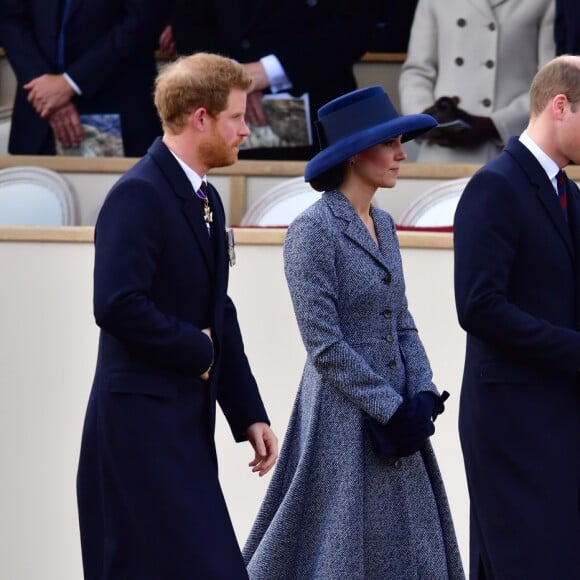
x,y
296,46
150,503
567,27
76,57
517,286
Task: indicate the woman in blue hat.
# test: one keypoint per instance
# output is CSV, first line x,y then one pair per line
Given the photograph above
x,y
357,494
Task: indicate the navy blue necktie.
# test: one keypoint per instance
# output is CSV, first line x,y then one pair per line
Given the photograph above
x,y
562,192
61,34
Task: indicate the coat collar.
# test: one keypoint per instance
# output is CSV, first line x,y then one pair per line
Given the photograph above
x,y
182,188
355,229
486,6
544,190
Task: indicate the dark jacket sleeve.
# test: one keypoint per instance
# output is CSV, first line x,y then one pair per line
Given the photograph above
x,y
20,43
105,38
313,41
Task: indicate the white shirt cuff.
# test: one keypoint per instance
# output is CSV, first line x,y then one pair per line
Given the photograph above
x,y
74,86
276,74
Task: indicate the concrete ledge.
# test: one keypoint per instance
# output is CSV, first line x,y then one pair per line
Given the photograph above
x,y
243,236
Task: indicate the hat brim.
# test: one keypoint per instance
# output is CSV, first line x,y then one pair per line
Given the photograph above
x,y
408,126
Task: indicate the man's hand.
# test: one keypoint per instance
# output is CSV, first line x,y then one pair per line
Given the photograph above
x,y
205,375
48,92
66,126
166,42
255,110
265,445
258,73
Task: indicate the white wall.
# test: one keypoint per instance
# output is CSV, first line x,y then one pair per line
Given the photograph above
x,y
47,353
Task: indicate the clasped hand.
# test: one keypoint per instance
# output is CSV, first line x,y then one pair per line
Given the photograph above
x,y
409,427
477,129
48,92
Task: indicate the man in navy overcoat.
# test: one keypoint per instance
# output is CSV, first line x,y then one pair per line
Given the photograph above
x,y
567,27
517,287
95,56
150,503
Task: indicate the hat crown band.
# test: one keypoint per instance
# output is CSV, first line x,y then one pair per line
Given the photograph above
x,y
356,117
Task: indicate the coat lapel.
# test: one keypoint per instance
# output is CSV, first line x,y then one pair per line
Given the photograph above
x,y
182,188
551,204
544,189
574,223
484,6
354,228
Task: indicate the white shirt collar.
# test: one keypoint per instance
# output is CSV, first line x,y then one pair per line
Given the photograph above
x,y
193,177
548,164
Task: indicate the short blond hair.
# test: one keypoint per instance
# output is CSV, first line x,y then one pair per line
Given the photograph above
x,y
199,80
561,75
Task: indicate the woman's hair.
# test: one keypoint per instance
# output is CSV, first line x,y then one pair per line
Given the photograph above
x,y
330,179
559,76
200,80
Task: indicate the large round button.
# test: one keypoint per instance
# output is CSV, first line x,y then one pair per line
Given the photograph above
x,y
489,64
459,61
390,338
486,102
461,22
393,365
491,26
387,313
387,278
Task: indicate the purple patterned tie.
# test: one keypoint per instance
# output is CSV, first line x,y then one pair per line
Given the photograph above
x,y
207,214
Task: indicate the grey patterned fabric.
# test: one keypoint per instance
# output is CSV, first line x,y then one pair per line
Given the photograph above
x,y
333,510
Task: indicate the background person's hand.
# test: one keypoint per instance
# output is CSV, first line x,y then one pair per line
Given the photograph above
x,y
265,444
166,42
66,126
255,113
48,92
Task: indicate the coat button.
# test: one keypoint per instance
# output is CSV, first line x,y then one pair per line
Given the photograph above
x,y
489,64
459,61
461,22
387,278
387,313
398,463
486,102
390,338
393,365
491,26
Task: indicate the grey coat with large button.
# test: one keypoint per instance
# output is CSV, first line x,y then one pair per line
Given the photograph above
x,y
485,52
333,510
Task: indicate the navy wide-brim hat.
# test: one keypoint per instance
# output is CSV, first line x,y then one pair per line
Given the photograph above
x,y
356,121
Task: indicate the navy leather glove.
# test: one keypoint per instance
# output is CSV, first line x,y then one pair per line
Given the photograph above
x,y
428,404
409,427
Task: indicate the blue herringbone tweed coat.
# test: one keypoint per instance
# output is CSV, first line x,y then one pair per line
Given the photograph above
x,y
333,510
